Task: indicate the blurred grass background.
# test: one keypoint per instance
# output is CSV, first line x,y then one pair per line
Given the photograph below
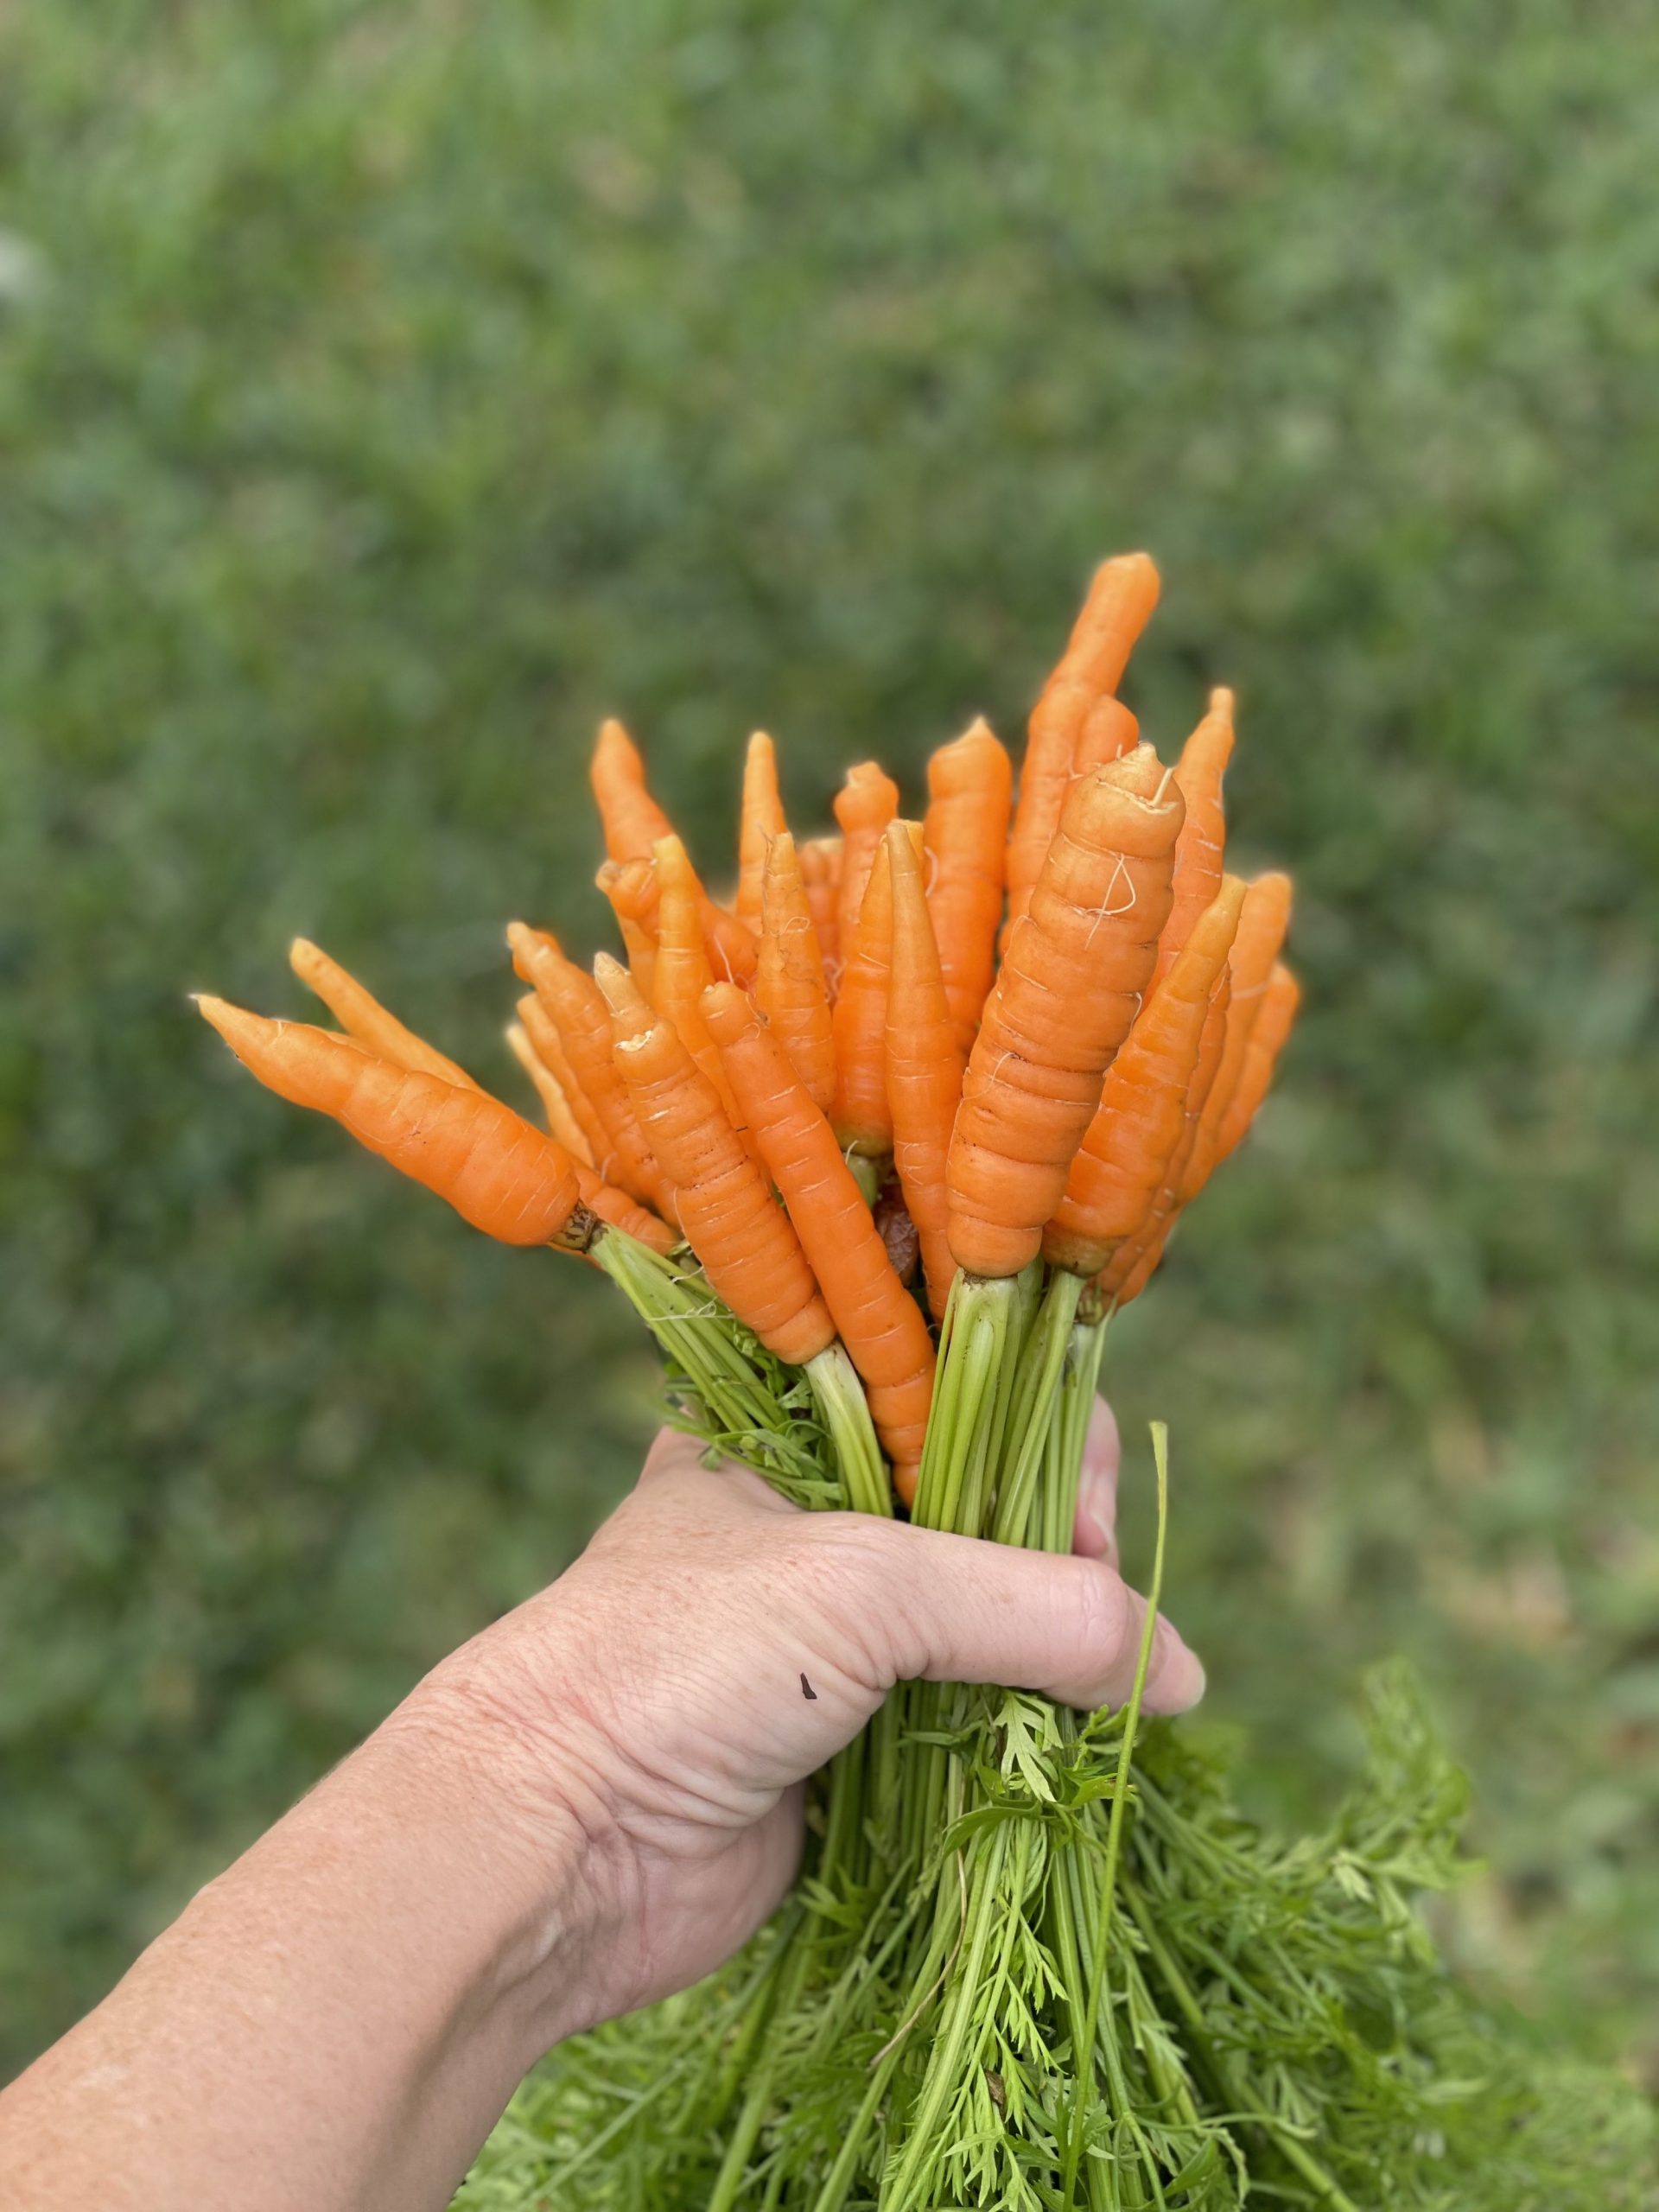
x,y
386,392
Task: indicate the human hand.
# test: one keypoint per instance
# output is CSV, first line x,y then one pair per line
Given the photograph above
x,y
714,1646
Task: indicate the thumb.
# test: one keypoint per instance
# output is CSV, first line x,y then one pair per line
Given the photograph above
x,y
966,1611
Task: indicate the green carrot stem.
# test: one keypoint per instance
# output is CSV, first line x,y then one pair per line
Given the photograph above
x,y
841,1401
1115,1825
1041,1365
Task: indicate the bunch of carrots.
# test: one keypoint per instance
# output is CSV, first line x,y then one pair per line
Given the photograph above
x,y
913,1052
876,1148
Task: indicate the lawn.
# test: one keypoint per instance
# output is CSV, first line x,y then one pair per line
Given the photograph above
x,y
387,392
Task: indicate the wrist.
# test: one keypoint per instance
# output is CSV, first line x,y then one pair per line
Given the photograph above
x,y
521,1797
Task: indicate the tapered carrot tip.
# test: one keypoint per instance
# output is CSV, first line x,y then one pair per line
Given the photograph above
x,y
628,1002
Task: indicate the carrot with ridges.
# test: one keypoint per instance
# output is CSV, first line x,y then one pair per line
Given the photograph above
x,y
789,983
632,818
744,1241
1261,927
361,1015
1269,1033
562,1123
1121,599
761,820
965,835
1202,844
860,1115
498,1171
631,887
578,1011
865,804
879,1322
1069,987
923,1067
1115,1179
821,865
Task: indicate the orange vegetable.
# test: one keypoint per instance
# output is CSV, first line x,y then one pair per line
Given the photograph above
x,y
1070,984
1261,928
744,1241
633,819
1268,1032
682,969
1203,834
970,784
864,806
821,863
762,820
620,1212
1109,731
1120,1165
498,1171
631,886
562,1123
1118,606
789,985
860,1113
597,1149
879,1324
361,1015
1125,1265
924,1070
579,1013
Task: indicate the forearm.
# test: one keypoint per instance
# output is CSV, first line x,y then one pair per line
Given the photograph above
x,y
337,2021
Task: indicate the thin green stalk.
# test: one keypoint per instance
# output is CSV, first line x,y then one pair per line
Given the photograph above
x,y
841,1401
1329,2191
1115,1826
1041,1365
950,2045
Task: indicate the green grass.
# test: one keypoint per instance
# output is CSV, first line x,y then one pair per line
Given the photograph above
x,y
386,392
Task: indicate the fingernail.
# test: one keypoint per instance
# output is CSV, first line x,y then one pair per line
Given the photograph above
x,y
1090,1538
1180,1677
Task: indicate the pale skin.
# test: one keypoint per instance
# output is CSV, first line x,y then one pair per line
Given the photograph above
x,y
587,1807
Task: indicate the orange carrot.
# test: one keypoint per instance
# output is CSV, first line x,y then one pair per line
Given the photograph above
x,y
821,865
1261,929
636,896
969,784
762,819
579,1013
1120,603
682,969
924,1065
361,1015
631,886
562,1123
1109,731
789,985
596,1150
1268,1032
864,806
879,1324
1121,1164
633,819
1125,1264
1069,987
1203,834
746,1247
609,1205
497,1169
860,1112
729,944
